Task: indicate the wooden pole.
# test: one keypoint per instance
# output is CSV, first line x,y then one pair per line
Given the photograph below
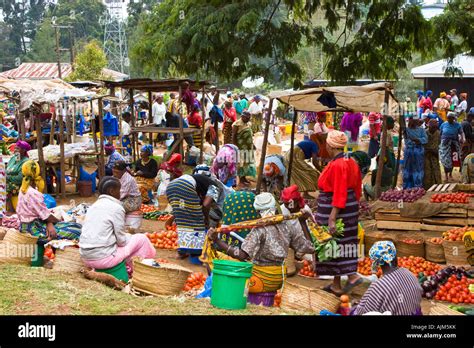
x,y
39,142
378,178
203,128
62,159
53,125
68,125
93,130
102,138
21,125
181,132
401,127
264,146
134,135
150,115
58,52
290,165
73,126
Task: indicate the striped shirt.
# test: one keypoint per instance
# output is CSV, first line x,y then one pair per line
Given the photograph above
x,y
397,292
129,187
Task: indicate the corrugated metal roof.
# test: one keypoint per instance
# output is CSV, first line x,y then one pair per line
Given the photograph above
x,y
437,68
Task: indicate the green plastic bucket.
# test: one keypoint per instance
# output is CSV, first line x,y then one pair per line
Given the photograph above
x,y
119,271
37,258
230,284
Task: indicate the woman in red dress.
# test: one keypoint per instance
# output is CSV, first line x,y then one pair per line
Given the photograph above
x,y
340,186
230,116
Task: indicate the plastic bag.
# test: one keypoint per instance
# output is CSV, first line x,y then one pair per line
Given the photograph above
x,y
49,201
207,288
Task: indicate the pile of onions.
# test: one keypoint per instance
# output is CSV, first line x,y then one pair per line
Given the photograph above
x,y
430,286
409,195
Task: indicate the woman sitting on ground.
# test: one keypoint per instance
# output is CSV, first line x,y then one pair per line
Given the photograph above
x,y
114,156
34,216
146,170
224,166
397,291
129,193
104,242
274,174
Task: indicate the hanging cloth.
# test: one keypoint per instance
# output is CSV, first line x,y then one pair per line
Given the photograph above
x,y
110,125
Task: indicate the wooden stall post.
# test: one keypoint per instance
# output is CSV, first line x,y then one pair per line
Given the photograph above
x,y
93,130
203,128
150,115
62,162
378,178
53,125
134,134
290,165
264,146
181,132
401,128
21,125
101,148
39,142
69,125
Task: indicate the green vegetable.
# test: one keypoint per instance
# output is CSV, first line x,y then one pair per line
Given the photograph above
x,y
327,251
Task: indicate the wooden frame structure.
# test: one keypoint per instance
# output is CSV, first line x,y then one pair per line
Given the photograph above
x,y
165,85
307,100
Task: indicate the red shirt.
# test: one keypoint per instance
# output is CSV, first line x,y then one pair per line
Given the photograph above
x,y
230,115
340,176
427,104
375,119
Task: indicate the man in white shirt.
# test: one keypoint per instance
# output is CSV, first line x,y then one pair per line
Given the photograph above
x,y
256,111
158,110
454,98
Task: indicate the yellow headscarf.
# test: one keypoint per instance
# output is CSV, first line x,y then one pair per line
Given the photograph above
x,y
31,172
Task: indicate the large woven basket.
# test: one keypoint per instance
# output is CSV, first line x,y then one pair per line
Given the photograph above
x,y
455,253
19,248
168,279
434,252
441,309
371,238
3,232
300,297
290,263
68,260
405,249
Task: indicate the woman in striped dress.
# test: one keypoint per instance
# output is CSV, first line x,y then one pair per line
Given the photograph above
x,y
397,291
195,121
340,190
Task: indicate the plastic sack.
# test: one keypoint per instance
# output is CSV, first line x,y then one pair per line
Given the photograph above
x,y
85,176
49,201
207,288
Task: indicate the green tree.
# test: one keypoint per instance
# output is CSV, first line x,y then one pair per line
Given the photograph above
x,y
229,38
7,47
89,63
43,47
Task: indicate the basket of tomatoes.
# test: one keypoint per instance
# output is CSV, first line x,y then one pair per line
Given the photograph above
x,y
408,246
307,270
434,250
195,281
418,266
453,245
456,198
167,239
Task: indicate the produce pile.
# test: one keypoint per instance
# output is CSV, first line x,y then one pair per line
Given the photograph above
x,y
456,234
436,240
277,300
459,197
11,221
408,195
307,269
451,284
412,241
364,209
164,239
364,267
325,244
145,208
418,266
49,253
195,281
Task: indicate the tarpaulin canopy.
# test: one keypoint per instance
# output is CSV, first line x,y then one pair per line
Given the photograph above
x,y
344,98
41,91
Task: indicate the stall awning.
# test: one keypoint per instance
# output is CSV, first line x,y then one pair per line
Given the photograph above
x,y
347,98
41,91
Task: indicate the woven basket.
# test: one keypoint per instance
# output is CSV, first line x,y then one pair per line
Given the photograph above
x,y
299,297
455,253
290,263
19,247
434,252
68,260
370,239
168,279
405,249
441,309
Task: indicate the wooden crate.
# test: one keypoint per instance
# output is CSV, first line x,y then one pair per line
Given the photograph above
x,y
394,217
465,187
398,225
436,228
446,221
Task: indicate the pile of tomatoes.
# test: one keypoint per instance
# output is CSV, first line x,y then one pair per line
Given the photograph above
x,y
459,197
456,291
164,239
456,234
145,208
307,269
277,300
412,241
364,267
345,306
417,265
195,281
436,240
49,253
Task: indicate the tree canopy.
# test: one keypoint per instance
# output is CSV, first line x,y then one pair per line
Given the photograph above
x,y
89,63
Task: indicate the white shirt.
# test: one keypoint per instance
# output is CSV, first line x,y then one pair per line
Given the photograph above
x,y
462,106
255,108
103,229
126,129
158,111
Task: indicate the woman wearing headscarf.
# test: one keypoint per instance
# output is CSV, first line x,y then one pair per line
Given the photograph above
x,y
319,137
351,123
363,160
230,116
397,291
413,166
33,214
146,169
450,148
129,193
169,171
195,121
419,102
114,156
274,174
427,103
432,169
224,166
303,174
340,186
441,106
14,175
242,137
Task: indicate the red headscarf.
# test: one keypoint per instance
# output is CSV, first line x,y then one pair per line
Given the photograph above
x,y
292,194
171,165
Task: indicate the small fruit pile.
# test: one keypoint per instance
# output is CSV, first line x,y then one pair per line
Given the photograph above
x,y
145,208
364,267
417,265
157,216
408,195
412,241
307,269
436,240
456,290
459,197
164,239
456,234
49,253
195,281
439,286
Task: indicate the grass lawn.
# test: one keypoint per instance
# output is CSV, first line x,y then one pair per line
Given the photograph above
x,y
36,291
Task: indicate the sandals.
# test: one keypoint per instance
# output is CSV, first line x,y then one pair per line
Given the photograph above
x,y
328,288
349,286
